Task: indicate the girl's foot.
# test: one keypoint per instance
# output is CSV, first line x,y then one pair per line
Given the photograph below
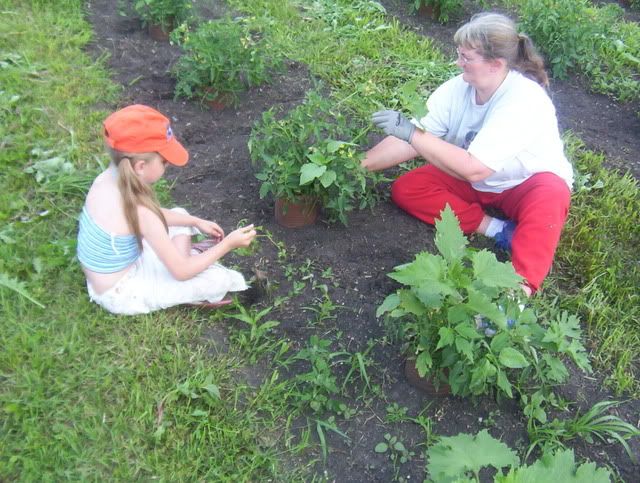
x,y
211,305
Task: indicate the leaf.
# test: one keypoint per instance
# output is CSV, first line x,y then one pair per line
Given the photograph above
x,y
557,467
425,267
381,448
464,347
423,363
492,273
510,357
465,330
333,146
453,456
481,304
213,390
504,384
389,303
328,178
449,239
446,337
18,287
410,303
309,172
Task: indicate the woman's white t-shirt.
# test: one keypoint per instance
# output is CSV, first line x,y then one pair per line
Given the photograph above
x,y
515,133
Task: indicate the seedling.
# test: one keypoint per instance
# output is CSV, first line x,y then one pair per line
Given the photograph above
x,y
255,340
396,450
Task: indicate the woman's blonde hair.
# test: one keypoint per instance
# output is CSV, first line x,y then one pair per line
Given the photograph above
x,y
133,191
495,37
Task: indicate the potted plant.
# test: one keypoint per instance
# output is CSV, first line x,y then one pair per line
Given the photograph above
x,y
221,59
310,156
439,10
463,323
161,16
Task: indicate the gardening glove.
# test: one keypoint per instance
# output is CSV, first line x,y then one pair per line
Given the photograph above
x,y
394,124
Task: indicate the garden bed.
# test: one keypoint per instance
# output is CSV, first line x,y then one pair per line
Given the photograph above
x,y
219,184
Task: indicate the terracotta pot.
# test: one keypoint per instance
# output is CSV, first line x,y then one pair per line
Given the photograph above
x,y
431,11
218,102
157,32
302,211
425,384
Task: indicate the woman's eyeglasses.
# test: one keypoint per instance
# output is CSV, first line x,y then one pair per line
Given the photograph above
x,y
466,60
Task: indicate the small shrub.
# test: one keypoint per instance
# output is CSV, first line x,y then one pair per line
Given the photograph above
x,y
221,59
446,306
442,9
312,152
165,13
461,457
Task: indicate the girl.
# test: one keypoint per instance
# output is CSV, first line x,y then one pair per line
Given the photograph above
x,y
490,140
137,256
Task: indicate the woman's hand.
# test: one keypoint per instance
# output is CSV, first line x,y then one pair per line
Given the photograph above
x,y
394,123
209,228
242,237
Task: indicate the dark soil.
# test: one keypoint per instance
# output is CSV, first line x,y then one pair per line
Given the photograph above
x,y
218,184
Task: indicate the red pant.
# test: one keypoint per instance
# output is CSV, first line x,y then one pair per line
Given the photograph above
x,y
539,206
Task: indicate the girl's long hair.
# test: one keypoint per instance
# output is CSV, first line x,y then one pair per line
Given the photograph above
x,y
495,37
134,192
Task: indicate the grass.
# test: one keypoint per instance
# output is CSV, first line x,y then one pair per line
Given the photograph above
x,y
85,395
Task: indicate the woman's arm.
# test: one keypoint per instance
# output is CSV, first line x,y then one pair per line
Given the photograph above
x,y
186,267
389,152
450,158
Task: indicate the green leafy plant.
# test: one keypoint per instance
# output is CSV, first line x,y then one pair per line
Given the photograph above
x,y
255,340
461,457
396,450
318,387
165,13
577,36
594,424
311,152
448,301
221,59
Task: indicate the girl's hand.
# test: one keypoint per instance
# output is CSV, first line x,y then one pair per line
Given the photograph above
x,y
210,228
242,237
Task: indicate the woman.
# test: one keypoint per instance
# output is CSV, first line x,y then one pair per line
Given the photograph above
x,y
491,139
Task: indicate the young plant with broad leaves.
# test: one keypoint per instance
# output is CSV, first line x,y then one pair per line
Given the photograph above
x,y
461,457
312,152
221,59
450,299
164,13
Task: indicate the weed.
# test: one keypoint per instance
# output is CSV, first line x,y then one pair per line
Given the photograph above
x,y
254,340
396,450
594,424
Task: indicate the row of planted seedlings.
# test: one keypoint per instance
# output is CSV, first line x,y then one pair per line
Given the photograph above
x,y
576,36
311,154
579,37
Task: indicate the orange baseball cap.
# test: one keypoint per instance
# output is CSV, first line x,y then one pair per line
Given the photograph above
x,y
142,129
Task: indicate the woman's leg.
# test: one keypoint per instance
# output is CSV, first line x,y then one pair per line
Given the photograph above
x,y
424,192
539,206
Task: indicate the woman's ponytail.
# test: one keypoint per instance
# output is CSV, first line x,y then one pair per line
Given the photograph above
x,y
529,62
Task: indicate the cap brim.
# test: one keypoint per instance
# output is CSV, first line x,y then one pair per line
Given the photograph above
x,y
175,153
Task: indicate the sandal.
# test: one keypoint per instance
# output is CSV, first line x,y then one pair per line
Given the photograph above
x,y
211,305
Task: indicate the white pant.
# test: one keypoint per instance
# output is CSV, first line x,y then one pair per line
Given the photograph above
x,y
149,286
